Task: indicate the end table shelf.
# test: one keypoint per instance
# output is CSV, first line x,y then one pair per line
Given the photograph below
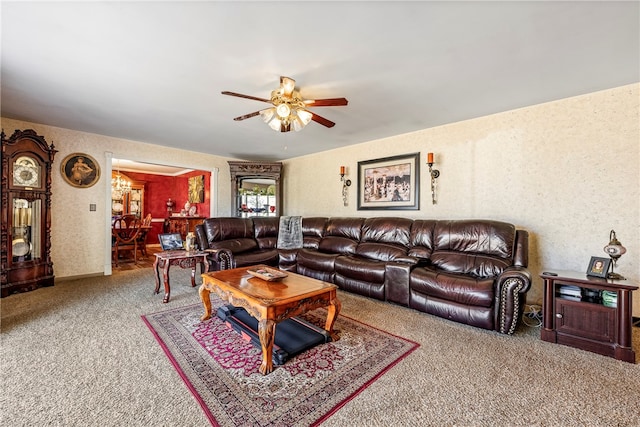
x,y
584,322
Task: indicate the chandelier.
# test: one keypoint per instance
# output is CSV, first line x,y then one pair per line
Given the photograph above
x,y
119,185
288,110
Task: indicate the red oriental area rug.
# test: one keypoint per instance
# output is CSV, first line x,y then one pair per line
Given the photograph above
x,y
221,369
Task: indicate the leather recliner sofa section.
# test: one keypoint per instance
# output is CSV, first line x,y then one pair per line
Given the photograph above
x,y
469,271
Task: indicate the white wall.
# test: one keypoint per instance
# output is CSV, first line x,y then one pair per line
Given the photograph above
x,y
566,171
79,240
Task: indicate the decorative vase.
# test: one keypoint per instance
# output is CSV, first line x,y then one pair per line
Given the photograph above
x,y
190,241
170,205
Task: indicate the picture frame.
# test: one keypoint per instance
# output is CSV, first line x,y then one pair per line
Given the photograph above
x,y
80,170
389,183
196,189
598,267
170,241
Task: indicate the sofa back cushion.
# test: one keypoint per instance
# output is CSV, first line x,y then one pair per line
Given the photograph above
x,y
312,231
422,238
342,235
384,239
266,231
480,248
235,234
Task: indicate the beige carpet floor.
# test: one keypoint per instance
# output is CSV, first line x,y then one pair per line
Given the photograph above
x,y
78,354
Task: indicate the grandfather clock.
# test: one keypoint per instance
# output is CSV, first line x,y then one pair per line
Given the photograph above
x,y
26,212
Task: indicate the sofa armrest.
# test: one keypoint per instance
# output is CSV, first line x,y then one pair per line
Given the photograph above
x,y
511,288
396,282
412,261
220,259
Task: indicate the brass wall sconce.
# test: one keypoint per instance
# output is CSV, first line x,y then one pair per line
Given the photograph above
x,y
434,173
345,183
615,250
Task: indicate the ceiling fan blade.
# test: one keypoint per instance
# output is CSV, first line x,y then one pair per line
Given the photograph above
x,y
329,102
246,116
239,95
288,85
324,122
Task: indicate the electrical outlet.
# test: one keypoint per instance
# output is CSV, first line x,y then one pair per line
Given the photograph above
x,y
92,207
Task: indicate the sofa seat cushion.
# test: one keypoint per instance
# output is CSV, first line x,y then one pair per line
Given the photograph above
x,y
337,245
264,256
381,251
478,265
236,246
316,264
360,269
463,289
317,260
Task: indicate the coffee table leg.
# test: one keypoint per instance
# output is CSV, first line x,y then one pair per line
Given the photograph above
x,y
332,314
266,331
206,301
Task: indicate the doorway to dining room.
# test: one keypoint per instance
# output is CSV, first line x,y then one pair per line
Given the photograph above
x,y
158,193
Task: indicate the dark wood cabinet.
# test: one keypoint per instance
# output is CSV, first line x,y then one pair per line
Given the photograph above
x,y
130,202
583,320
27,161
182,224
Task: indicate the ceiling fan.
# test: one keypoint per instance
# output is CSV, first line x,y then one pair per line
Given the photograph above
x,y
289,108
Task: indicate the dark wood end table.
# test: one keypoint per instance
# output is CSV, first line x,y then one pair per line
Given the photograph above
x,y
584,322
183,259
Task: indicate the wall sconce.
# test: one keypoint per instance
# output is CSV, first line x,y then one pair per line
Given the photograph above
x,y
345,183
434,173
615,250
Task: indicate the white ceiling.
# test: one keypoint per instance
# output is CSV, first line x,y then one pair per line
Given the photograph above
x,y
153,71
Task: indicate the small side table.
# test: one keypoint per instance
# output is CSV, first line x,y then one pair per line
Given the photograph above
x,y
183,259
584,322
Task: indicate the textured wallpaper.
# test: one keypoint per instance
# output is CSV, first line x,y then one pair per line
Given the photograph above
x,y
566,171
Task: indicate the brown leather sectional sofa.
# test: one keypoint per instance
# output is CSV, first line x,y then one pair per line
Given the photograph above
x,y
470,271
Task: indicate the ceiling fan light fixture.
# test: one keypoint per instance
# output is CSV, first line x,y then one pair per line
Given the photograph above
x,y
289,108
304,116
275,124
267,114
283,110
297,124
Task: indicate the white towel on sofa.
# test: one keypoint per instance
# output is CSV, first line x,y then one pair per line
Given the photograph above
x,y
290,232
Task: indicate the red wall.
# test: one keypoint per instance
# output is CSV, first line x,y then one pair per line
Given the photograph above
x,y
159,188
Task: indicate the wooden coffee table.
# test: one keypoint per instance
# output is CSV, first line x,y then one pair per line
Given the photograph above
x,y
270,302
183,259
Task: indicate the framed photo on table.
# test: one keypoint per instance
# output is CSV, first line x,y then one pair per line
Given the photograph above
x,y
598,267
389,183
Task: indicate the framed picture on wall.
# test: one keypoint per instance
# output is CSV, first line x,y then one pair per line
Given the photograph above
x,y
389,183
196,189
80,170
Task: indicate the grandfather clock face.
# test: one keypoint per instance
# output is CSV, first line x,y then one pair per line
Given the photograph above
x,y
26,172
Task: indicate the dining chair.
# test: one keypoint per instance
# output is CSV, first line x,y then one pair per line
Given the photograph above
x,y
125,231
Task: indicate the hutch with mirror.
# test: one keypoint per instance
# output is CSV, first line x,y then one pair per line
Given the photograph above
x,y
26,212
256,188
